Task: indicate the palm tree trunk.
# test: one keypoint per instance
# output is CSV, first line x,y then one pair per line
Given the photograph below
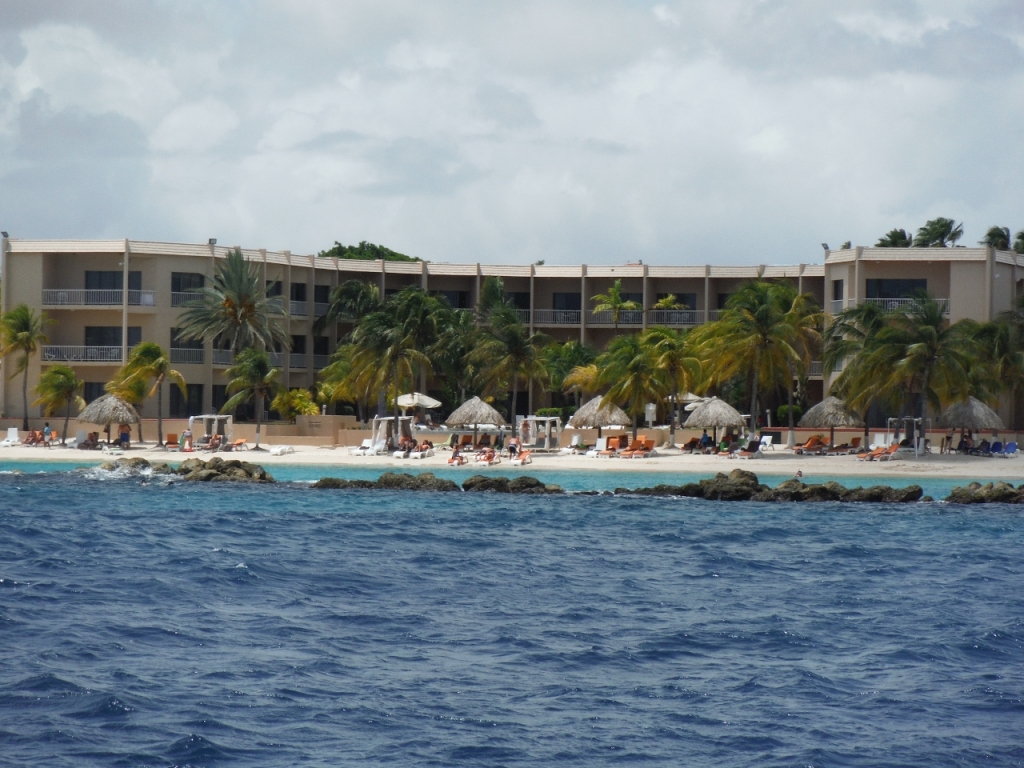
x,y
753,402
634,426
259,419
159,414
397,436
24,397
673,416
512,410
67,418
791,438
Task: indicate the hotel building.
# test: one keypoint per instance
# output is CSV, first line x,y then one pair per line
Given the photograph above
x,y
106,296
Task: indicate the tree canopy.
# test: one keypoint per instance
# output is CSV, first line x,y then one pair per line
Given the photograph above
x,y
365,251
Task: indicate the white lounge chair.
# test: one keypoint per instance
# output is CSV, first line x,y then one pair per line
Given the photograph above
x,y
114,449
766,442
571,447
80,437
602,444
362,449
421,454
400,454
11,439
281,450
521,459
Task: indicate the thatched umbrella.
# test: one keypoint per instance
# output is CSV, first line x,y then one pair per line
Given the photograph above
x,y
107,410
593,414
714,413
971,414
475,412
830,412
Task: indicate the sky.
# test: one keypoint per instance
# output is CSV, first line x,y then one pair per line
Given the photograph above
x,y
569,131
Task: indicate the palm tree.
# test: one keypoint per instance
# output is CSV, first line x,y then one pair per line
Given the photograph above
x,y
614,303
582,380
669,302
938,233
22,330
560,360
349,301
997,237
149,362
507,353
630,370
895,238
1018,242
452,356
235,309
351,377
492,297
675,358
133,392
755,336
294,402
253,378
58,388
803,321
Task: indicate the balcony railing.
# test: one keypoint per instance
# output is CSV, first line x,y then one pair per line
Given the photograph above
x,y
299,308
628,317
320,308
890,305
87,297
181,298
837,306
296,361
321,361
675,316
62,354
186,356
713,315
556,316
223,357
277,359
815,369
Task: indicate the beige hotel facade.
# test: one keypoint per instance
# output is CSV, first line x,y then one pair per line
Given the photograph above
x,y
81,286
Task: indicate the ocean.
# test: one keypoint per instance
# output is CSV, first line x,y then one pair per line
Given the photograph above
x,y
146,624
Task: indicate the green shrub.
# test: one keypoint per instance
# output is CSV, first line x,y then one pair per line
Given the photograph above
x,y
782,414
549,412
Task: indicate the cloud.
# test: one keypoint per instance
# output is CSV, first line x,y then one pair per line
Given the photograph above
x,y
571,131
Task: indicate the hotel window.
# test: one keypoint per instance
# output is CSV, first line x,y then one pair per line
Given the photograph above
x,y
567,301
321,294
456,299
178,343
298,345
220,396
321,345
112,280
182,407
298,291
187,282
637,297
93,390
518,299
896,289
688,300
723,299
273,288
837,290
110,335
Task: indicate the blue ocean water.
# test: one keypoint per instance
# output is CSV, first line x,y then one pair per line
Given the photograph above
x,y
157,625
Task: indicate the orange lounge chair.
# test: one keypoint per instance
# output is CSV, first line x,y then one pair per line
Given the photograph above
x,y
814,445
877,453
615,444
646,451
635,446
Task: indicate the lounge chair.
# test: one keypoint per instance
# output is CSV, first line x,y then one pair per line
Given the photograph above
x,y
838,450
281,450
573,444
996,449
872,454
236,445
691,445
400,454
113,450
614,445
634,447
80,437
421,454
758,454
12,438
646,451
457,460
489,458
892,452
766,442
171,443
815,445
1009,450
600,445
362,449
521,459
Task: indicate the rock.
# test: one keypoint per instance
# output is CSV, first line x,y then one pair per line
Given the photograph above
x,y
162,468
874,493
526,484
661,489
215,462
692,490
202,475
334,483
927,498
1000,493
963,495
553,489
483,483
190,465
621,491
108,466
904,495
136,463
738,485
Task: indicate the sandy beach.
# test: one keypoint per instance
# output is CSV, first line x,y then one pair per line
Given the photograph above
x,y
777,462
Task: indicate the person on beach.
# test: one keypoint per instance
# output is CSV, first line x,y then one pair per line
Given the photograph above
x,y
705,441
799,475
513,447
124,435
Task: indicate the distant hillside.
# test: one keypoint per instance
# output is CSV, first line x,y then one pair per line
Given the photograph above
x,y
365,252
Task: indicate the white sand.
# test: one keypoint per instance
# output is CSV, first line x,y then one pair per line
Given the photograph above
x,y
778,462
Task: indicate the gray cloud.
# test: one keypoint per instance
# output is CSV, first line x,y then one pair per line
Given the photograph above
x,y
599,131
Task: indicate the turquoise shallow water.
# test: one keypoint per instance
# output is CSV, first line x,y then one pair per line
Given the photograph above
x,y
604,479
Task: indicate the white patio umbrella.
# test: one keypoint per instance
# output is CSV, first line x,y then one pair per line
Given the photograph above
x,y
417,400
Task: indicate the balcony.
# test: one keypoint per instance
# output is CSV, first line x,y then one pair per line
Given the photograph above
x,y
298,308
277,359
815,369
320,308
675,316
223,357
321,361
627,317
837,306
556,316
62,354
186,356
83,297
296,361
713,315
181,298
895,305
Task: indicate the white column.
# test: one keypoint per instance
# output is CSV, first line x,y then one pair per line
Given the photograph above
x,y
124,303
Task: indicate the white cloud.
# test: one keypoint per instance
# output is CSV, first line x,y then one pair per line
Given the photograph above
x,y
195,127
665,15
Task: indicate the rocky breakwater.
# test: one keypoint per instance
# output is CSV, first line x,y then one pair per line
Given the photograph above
x,y
195,470
990,493
397,481
742,485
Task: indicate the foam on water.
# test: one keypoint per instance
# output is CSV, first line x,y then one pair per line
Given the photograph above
x,y
260,625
